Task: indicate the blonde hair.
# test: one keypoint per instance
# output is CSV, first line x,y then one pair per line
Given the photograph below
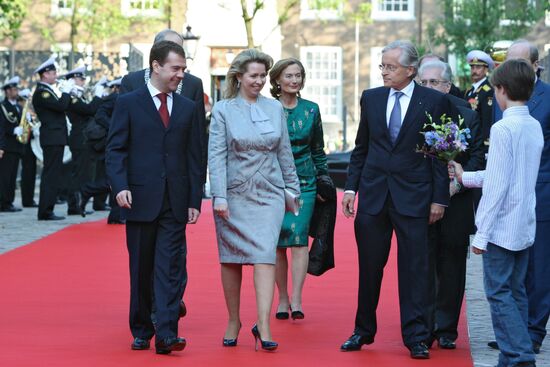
x,y
278,69
239,67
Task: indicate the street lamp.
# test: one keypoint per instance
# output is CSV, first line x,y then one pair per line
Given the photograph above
x,y
190,42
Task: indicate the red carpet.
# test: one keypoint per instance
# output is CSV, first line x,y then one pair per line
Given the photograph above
x,y
64,302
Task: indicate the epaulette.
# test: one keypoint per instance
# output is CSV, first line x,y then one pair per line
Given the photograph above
x,y
486,88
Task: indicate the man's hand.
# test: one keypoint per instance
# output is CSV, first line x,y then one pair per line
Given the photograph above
x,y
221,209
18,131
193,215
1,153
455,171
124,199
477,251
436,212
348,203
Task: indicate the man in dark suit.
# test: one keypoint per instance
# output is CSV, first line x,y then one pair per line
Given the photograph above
x,y
154,166
538,270
398,190
79,113
449,237
481,95
28,161
10,117
190,87
50,109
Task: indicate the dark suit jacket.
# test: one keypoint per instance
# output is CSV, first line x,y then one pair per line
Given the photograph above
x,y
539,108
10,141
105,110
378,168
80,111
50,110
146,158
191,88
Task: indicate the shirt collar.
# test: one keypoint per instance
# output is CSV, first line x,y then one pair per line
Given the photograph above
x,y
408,90
478,83
515,111
154,91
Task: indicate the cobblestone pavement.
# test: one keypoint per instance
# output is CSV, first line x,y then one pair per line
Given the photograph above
x,y
17,229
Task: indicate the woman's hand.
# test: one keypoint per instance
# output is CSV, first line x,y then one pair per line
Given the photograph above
x,y
221,209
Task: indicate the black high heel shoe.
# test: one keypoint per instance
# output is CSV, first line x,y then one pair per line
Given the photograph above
x,y
282,315
231,342
297,315
266,345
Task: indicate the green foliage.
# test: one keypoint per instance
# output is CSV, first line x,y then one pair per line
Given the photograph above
x,y
12,14
477,24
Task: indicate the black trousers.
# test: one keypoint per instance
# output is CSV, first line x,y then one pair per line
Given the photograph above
x,y
51,179
9,164
158,252
100,175
101,187
28,176
373,234
80,173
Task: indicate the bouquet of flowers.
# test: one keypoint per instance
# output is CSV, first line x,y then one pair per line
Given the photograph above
x,y
444,140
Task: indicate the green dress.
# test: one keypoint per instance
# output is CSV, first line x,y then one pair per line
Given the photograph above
x,y
305,130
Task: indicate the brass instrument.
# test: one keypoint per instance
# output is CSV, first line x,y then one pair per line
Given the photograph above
x,y
26,124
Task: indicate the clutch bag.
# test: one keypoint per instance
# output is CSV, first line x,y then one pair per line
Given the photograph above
x,y
292,202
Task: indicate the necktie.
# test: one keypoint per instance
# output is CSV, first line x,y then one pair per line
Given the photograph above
x,y
395,118
163,110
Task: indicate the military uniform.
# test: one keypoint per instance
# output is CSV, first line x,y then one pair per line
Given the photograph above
x,y
481,95
50,110
10,117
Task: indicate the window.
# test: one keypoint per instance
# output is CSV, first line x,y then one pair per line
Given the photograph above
x,y
326,10
149,8
324,79
62,7
375,74
393,9
515,12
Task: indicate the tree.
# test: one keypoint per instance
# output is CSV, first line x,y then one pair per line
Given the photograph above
x,y
477,24
12,14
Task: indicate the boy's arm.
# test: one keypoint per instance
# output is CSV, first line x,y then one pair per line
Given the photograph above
x,y
496,183
473,179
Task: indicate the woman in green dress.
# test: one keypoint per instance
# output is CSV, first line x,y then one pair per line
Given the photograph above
x,y
305,130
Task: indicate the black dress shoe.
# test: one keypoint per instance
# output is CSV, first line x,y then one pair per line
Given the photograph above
x,y
355,342
101,208
493,344
116,221
168,345
50,217
141,344
78,212
183,309
446,343
10,209
420,351
30,205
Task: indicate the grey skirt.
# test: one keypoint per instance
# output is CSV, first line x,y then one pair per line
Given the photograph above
x,y
250,235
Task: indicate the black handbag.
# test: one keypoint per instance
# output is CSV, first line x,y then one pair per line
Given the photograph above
x,y
94,131
321,257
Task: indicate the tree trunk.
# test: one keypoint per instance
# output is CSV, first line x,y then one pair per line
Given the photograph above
x,y
248,25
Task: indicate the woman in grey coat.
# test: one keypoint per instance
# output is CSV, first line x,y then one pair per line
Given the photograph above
x,y
250,164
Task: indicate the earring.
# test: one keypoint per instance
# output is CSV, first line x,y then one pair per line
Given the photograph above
x,y
279,87
238,84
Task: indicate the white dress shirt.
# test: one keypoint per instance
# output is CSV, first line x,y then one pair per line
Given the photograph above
x,y
404,101
477,84
154,91
506,213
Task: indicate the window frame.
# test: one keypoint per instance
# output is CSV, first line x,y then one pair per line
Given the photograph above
x,y
306,13
128,11
382,15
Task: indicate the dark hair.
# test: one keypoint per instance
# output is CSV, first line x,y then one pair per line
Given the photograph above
x,y
278,69
160,51
517,77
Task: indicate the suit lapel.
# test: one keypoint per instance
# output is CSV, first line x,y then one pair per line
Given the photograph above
x,y
177,110
414,109
381,111
536,98
149,106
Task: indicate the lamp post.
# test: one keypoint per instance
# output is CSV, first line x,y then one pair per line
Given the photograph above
x,y
190,42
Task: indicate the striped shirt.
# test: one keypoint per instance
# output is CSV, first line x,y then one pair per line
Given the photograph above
x,y
506,213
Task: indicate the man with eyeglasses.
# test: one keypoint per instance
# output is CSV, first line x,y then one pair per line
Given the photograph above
x,y
398,190
480,95
449,237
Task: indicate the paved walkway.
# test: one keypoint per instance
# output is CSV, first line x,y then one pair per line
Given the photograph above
x,y
18,229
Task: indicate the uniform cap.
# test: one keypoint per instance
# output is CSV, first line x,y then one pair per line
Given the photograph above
x,y
114,83
76,73
478,57
46,65
11,83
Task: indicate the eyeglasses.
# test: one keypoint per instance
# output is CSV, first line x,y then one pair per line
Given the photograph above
x,y
434,82
390,68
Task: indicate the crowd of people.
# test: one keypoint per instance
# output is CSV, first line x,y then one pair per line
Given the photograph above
x,y
146,146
